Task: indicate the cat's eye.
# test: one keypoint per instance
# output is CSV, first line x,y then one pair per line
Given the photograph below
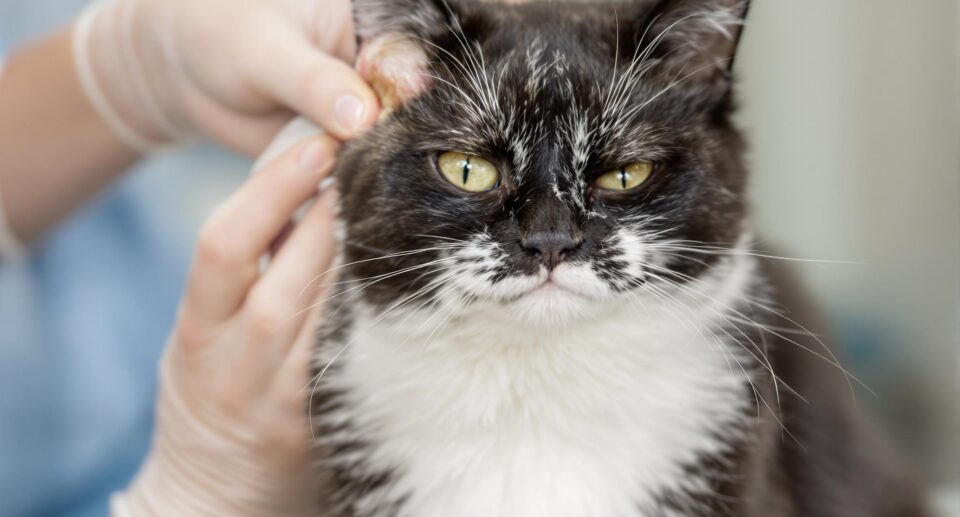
x,y
626,178
468,172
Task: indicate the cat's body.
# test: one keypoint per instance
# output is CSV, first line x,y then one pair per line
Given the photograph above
x,y
484,418
548,347
480,418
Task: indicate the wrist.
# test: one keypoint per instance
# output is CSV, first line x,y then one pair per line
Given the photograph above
x,y
173,482
128,75
202,463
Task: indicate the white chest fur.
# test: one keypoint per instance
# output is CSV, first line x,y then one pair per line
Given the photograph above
x,y
484,419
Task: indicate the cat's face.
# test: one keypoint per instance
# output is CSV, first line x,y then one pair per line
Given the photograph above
x,y
544,158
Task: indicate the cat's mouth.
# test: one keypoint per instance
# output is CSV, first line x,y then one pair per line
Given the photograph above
x,y
549,289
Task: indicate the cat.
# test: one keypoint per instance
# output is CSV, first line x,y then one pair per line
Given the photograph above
x,y
549,302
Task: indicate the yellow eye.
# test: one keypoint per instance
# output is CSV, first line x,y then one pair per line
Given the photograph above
x,y
626,178
468,172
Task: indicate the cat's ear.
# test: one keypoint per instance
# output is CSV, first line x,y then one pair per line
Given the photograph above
x,y
696,40
394,37
415,18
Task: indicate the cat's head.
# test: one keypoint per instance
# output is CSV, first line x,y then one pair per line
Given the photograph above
x,y
545,158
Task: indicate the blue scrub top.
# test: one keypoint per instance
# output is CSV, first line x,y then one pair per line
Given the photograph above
x,y
83,324
83,320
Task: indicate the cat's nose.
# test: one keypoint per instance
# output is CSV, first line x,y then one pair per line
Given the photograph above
x,y
551,247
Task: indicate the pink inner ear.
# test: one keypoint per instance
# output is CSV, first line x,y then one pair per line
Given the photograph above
x,y
395,67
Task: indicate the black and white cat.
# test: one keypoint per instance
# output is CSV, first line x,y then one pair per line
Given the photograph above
x,y
549,304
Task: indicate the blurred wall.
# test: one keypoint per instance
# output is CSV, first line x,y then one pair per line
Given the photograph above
x,y
851,107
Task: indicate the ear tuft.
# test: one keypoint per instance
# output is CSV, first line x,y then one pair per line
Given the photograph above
x,y
697,38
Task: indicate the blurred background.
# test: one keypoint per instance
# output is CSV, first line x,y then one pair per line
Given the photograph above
x,y
852,108
853,113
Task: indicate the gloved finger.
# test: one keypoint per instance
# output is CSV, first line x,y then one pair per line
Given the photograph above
x,y
242,229
322,88
281,301
299,372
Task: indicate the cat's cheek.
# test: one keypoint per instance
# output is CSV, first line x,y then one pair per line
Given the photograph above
x,y
634,252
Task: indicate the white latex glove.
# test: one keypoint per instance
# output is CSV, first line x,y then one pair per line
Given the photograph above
x,y
159,71
231,434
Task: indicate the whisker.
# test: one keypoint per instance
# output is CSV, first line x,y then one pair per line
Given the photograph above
x,y
381,278
757,395
832,359
373,259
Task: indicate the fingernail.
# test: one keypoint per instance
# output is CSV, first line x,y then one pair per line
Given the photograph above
x,y
326,183
349,111
314,157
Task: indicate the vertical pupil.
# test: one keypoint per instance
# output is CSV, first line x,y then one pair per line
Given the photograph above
x,y
623,178
466,170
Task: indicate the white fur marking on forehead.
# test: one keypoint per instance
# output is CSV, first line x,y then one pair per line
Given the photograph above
x,y
577,135
535,64
521,147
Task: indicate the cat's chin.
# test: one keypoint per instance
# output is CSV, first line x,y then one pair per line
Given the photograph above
x,y
550,303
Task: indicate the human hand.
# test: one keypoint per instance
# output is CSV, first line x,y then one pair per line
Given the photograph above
x,y
231,433
236,70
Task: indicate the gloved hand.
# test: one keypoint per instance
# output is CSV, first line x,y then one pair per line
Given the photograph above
x,y
231,435
159,71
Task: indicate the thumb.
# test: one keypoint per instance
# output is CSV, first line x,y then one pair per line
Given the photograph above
x,y
322,88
